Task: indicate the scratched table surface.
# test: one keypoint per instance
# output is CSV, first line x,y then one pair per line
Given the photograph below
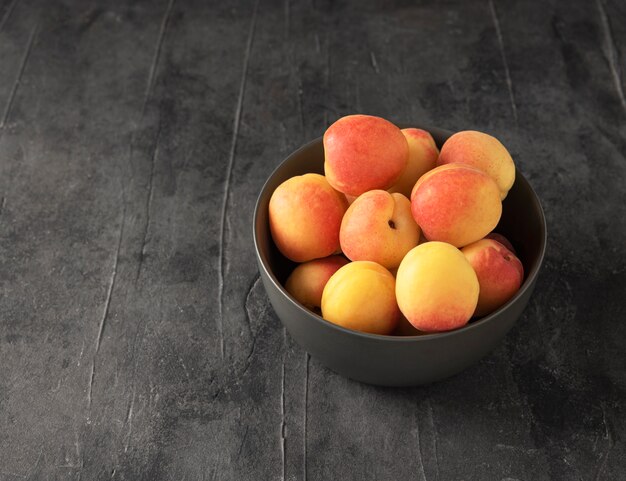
x,y
136,340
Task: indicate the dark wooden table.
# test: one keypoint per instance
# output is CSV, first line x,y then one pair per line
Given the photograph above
x,y
136,341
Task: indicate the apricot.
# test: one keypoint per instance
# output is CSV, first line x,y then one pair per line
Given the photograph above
x,y
423,153
361,296
305,215
379,227
363,152
436,287
500,273
456,203
307,281
482,151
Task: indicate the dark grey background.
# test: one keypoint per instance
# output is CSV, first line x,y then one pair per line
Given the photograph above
x,y
134,139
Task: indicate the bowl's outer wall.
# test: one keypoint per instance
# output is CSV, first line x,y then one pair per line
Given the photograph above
x,y
376,361
388,360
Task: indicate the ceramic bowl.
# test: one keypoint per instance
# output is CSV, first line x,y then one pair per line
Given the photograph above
x,y
395,360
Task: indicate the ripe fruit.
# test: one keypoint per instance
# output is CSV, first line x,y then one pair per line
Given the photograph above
x,y
436,287
482,151
363,153
423,153
307,281
305,214
500,273
361,296
379,227
456,203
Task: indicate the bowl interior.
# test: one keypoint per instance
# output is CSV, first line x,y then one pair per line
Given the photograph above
x,y
522,221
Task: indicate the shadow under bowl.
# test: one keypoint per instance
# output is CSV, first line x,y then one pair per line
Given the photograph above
x,y
397,360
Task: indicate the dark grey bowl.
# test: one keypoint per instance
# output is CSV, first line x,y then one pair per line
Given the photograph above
x,y
393,360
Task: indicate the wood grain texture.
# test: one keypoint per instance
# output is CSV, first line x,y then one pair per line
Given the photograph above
x,y
136,341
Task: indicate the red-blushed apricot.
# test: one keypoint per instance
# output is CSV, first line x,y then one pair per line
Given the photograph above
x,y
482,151
423,153
363,152
456,203
361,296
305,215
307,281
436,287
379,227
500,273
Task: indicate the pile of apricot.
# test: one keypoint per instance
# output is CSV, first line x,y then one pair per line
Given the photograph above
x,y
397,236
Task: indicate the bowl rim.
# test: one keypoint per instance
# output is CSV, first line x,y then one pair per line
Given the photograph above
x,y
527,284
